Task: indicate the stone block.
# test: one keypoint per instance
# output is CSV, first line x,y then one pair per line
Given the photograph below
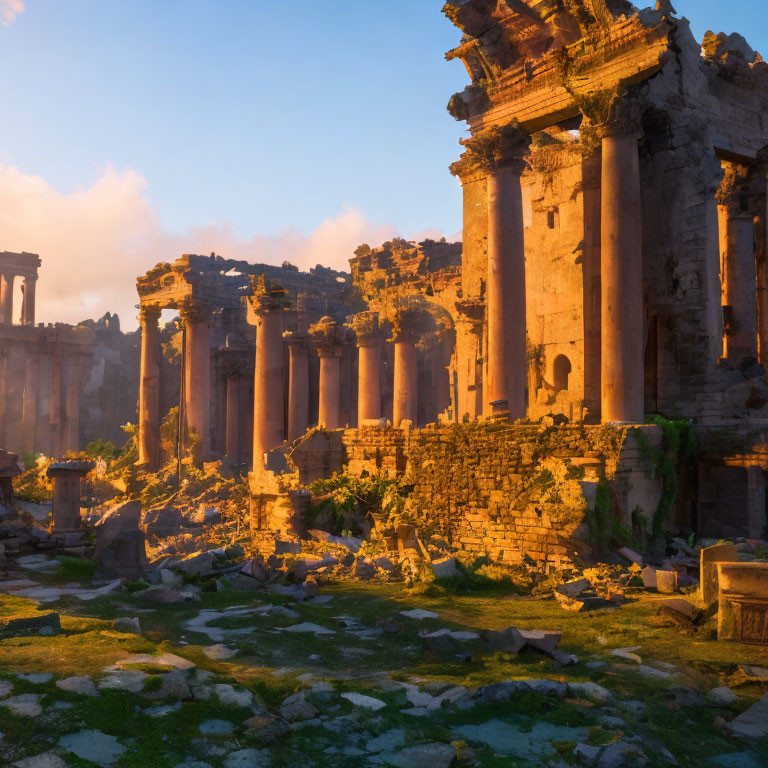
x,y
743,602
708,559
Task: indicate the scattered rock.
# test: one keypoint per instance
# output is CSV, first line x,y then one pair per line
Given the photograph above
x,y
722,697
230,696
755,673
589,690
387,742
541,640
219,652
445,568
296,708
308,627
622,755
129,626
632,556
44,760
216,727
248,758
30,625
419,614
666,581
628,654
508,640
37,678
573,589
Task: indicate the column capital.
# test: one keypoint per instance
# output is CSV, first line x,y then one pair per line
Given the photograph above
x,y
328,337
406,322
366,328
492,150
149,314
735,191
296,339
265,298
194,311
622,116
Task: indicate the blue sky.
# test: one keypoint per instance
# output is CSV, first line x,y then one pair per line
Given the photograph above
x,y
236,125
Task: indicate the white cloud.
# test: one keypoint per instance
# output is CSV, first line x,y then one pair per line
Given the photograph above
x,y
9,10
95,241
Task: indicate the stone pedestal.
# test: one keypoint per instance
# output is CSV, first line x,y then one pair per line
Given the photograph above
x,y
743,602
197,374
621,270
366,326
149,389
6,298
66,477
298,386
265,311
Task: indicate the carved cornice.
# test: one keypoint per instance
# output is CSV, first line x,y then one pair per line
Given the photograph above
x,y
492,150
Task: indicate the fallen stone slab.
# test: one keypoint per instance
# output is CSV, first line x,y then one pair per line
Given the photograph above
x,y
44,760
752,724
30,625
446,568
25,704
36,678
164,660
628,654
216,727
541,640
419,614
573,588
219,652
632,556
124,680
92,745
589,690
230,696
509,640
308,627
248,758
366,702
81,684
666,581
436,755
510,741
678,609
127,625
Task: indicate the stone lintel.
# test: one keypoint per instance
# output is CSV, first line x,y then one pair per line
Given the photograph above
x,y
20,264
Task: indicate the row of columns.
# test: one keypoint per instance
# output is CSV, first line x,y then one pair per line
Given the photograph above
x,y
45,390
622,396
29,288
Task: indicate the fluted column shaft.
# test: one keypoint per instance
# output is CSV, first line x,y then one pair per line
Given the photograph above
x,y
28,304
6,298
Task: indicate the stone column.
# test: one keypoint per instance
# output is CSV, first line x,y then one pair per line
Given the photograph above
x,y
149,389
30,404
507,368
197,374
6,298
298,386
55,413
366,326
28,303
736,217
233,418
406,370
622,390
329,337
72,407
265,311
66,476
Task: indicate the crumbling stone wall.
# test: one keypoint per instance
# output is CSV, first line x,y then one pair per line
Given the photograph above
x,y
512,492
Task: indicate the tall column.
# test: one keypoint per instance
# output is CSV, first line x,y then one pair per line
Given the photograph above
x,y
6,298
329,337
406,370
197,374
55,418
30,404
736,217
233,417
622,390
265,311
28,303
298,386
149,389
72,407
366,326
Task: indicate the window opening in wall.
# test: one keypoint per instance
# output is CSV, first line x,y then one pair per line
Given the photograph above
x,y
553,218
561,370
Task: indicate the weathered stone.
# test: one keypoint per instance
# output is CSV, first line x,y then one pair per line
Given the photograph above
x,y
709,557
296,708
752,724
30,625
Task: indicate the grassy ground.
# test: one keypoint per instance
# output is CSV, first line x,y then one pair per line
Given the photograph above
x,y
354,663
